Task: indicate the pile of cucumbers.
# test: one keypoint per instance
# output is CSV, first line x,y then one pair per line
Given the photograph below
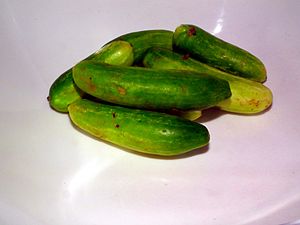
x,y
144,90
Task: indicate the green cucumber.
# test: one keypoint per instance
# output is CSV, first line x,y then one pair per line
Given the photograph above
x,y
139,130
248,97
211,50
114,53
142,40
63,91
149,88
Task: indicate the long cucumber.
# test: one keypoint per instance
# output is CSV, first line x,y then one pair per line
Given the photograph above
x,y
143,131
149,88
211,50
248,97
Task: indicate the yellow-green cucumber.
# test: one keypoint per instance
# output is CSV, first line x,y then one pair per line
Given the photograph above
x,y
142,40
248,97
211,50
139,130
150,88
63,91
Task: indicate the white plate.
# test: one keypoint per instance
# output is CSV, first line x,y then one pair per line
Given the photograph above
x,y
50,173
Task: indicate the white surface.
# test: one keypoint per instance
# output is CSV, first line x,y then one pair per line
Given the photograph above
x,y
52,174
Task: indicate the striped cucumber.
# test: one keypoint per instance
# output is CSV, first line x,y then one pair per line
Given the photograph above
x,y
139,130
248,97
142,40
64,91
149,88
217,53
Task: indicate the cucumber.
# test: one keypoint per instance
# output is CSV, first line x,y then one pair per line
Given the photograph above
x,y
142,40
217,53
139,130
248,97
149,88
63,91
114,53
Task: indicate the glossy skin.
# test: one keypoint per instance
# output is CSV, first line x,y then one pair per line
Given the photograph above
x,y
149,88
141,41
217,53
248,97
143,131
64,91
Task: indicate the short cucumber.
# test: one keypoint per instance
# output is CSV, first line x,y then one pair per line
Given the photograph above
x,y
247,97
149,88
114,53
142,40
64,91
217,53
143,131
